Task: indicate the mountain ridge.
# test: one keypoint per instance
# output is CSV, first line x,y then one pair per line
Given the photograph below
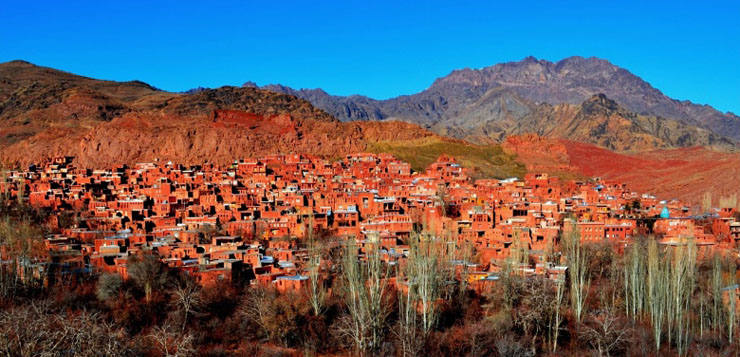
x,y
45,113
571,80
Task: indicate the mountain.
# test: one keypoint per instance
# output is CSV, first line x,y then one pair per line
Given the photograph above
x,y
33,99
495,99
45,113
344,108
598,120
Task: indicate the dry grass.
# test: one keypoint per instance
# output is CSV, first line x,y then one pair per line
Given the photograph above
x,y
483,161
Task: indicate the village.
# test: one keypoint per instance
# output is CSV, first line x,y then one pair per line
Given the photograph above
x,y
249,223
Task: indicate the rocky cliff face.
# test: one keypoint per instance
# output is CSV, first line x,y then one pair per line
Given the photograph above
x,y
142,137
495,98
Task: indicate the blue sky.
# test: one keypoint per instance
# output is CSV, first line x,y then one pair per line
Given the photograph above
x,y
376,48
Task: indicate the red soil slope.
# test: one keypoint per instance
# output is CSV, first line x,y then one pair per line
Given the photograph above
x,y
220,138
46,113
685,173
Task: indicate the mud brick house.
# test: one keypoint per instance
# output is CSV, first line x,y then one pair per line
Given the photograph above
x,y
248,222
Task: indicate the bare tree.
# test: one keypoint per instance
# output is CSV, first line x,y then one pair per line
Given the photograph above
x,y
35,330
206,233
728,201
731,312
148,273
317,292
257,308
533,315
682,267
511,347
657,286
517,255
578,270
109,286
717,285
365,297
408,323
605,332
188,300
557,317
730,306
24,245
170,343
426,273
88,335
634,279
30,331
464,254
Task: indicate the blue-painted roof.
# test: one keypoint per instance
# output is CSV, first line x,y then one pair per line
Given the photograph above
x,y
665,213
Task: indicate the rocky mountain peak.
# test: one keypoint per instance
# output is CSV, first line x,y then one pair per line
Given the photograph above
x,y
457,103
599,104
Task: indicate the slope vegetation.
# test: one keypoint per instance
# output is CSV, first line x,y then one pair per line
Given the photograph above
x,y
489,161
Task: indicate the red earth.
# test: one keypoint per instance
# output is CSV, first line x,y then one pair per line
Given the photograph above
x,y
685,173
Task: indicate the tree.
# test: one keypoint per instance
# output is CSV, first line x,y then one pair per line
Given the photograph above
x,y
729,304
518,254
206,233
281,317
634,278
109,286
441,200
24,244
557,317
188,300
36,330
605,332
682,267
316,290
426,274
578,270
657,286
257,307
511,347
706,202
464,254
148,273
365,297
535,309
170,343
717,285
728,201
408,330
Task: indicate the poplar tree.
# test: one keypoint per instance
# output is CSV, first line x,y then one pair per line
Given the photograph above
x,y
578,270
316,291
364,293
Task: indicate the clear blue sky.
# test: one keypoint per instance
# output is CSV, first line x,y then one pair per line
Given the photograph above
x,y
376,48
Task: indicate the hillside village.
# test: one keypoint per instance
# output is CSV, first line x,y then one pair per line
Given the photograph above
x,y
403,179
251,222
